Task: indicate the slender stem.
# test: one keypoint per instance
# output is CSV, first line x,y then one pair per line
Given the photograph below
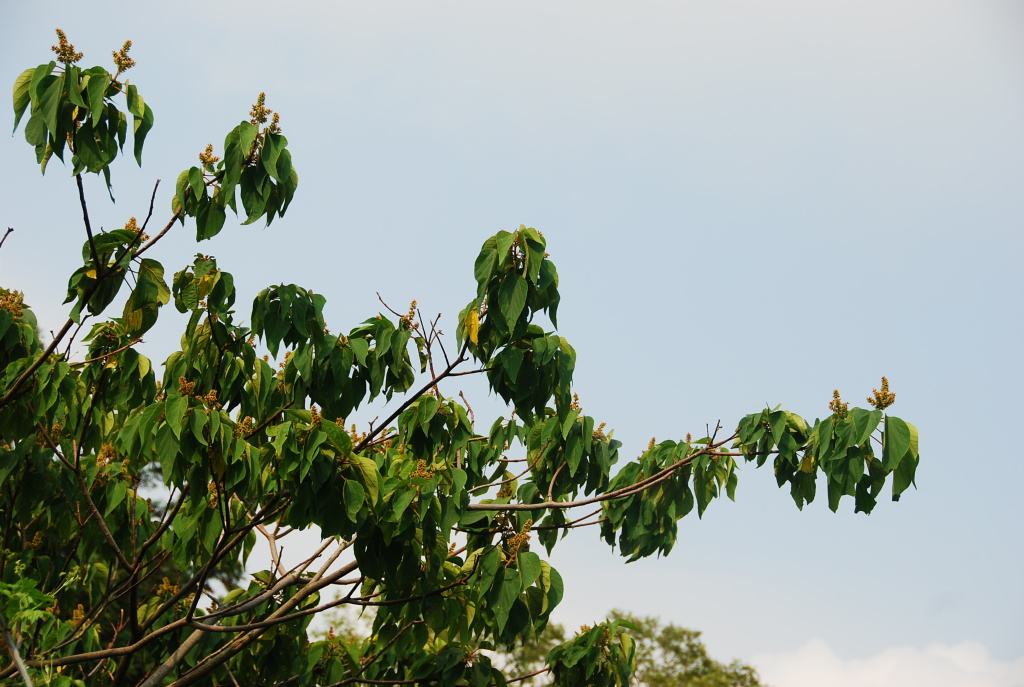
x,y
526,677
88,229
39,361
6,234
551,485
447,372
628,490
84,489
167,227
152,199
107,355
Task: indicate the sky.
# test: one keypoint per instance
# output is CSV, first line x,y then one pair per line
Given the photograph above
x,y
749,203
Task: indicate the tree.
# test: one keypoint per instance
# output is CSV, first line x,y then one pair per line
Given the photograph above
x,y
426,516
665,655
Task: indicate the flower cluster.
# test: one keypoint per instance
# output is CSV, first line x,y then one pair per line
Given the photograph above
x,y
121,59
422,470
407,321
354,433
12,301
275,124
207,157
167,588
36,542
106,455
44,438
188,388
883,398
837,406
244,427
519,540
133,226
507,490
259,112
65,51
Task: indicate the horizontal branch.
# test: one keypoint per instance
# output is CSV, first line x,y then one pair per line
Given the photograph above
x,y
628,490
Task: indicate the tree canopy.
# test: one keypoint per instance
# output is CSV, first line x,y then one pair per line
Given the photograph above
x,y
132,498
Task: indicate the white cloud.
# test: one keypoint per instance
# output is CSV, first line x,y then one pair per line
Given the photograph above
x,y
967,664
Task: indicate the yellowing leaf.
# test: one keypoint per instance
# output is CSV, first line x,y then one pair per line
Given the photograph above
x,y
807,464
473,326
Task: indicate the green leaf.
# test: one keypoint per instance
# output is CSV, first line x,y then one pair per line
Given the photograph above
x,y
142,125
40,76
72,86
865,422
512,298
196,182
21,95
425,411
529,567
895,442
175,409
777,423
115,497
337,436
507,596
273,144
354,497
49,104
96,89
904,475
35,131
570,420
484,267
370,477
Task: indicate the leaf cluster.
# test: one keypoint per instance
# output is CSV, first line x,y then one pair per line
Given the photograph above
x,y
76,109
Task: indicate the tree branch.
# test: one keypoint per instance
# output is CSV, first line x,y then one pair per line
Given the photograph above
x,y
447,372
628,490
88,229
12,648
107,355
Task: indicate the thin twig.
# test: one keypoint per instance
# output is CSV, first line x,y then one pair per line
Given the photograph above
x,y
88,229
472,416
152,199
392,310
526,677
167,227
511,479
628,490
6,234
270,419
107,355
551,485
447,372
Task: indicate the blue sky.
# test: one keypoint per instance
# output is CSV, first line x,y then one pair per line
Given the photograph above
x,y
749,203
